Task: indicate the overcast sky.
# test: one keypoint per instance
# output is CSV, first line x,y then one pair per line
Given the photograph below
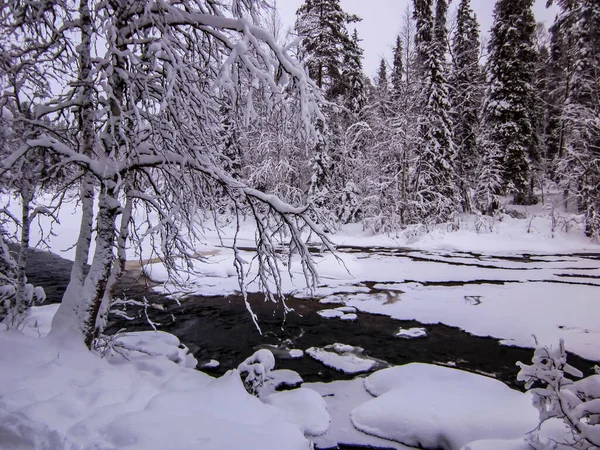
x,y
381,22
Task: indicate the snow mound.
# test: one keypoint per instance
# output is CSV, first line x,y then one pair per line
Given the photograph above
x,y
138,345
62,396
435,407
341,398
345,358
303,407
39,320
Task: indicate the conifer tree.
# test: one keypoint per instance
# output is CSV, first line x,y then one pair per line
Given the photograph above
x,y
509,139
397,67
435,182
466,85
579,24
354,91
321,24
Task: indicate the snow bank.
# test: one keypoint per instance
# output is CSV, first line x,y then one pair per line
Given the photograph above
x,y
54,396
303,407
39,320
341,398
436,407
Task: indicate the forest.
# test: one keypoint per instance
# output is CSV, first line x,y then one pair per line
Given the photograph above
x,y
166,134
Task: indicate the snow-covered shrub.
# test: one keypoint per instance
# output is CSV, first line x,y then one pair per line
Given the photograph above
x,y
144,345
254,370
577,403
12,311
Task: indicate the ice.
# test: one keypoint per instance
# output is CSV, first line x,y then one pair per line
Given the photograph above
x,y
344,358
436,407
410,333
349,317
212,364
330,313
303,407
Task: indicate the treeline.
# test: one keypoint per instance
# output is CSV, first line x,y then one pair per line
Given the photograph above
x,y
448,126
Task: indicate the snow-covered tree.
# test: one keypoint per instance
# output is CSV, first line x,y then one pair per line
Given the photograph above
x,y
508,140
435,185
576,39
556,395
352,74
466,92
397,67
142,97
321,26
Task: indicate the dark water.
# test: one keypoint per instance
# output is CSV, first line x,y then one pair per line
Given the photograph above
x,y
220,328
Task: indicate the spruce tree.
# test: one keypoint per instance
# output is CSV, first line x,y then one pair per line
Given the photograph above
x,y
466,85
579,23
397,67
354,90
508,113
321,25
435,183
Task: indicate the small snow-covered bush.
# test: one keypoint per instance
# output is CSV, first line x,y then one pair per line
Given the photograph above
x,y
13,310
577,403
254,370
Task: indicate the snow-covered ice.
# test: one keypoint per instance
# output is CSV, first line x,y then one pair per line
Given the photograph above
x,y
344,358
409,333
437,407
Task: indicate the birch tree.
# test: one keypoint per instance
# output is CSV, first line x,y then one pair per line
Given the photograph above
x,y
141,93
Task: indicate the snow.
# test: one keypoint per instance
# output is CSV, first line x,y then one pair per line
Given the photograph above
x,y
551,431
278,379
212,364
59,396
330,313
341,398
38,320
303,407
349,317
138,345
512,312
343,358
408,333
437,407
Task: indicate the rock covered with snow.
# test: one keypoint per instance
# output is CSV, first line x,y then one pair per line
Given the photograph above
x,y
303,407
279,380
435,407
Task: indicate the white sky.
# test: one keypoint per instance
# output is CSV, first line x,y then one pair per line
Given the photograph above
x,y
382,21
